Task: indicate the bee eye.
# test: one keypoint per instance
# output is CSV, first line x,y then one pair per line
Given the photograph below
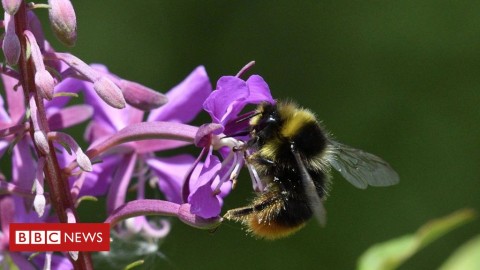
x,y
271,119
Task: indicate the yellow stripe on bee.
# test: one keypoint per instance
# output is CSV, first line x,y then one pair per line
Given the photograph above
x,y
295,119
270,150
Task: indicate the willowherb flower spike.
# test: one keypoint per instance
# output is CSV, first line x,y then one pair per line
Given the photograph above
x,y
11,6
63,20
11,43
43,79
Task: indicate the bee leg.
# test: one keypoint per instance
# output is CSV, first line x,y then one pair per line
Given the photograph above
x,y
264,161
239,214
256,159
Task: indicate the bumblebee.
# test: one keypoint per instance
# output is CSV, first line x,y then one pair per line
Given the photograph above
x,y
289,157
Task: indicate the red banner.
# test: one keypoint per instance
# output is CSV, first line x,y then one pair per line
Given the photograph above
x,y
59,237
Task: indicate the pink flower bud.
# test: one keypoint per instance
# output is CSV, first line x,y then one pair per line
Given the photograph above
x,y
11,6
141,97
109,92
11,43
41,142
45,83
63,21
39,204
43,79
70,144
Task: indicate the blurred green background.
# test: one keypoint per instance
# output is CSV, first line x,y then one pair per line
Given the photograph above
x,y
396,78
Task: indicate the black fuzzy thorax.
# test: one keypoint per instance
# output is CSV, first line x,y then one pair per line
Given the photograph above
x,y
309,140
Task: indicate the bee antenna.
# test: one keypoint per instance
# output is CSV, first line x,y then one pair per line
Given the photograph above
x,y
246,116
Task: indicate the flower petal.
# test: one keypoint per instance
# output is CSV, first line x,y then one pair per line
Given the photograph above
x,y
204,134
221,103
184,100
259,90
96,182
21,261
7,210
203,202
69,116
171,173
15,99
3,114
69,85
118,189
23,171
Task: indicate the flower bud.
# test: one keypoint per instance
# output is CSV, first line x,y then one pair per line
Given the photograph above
x,y
39,204
141,97
67,141
11,43
11,6
41,142
44,83
109,92
43,79
63,21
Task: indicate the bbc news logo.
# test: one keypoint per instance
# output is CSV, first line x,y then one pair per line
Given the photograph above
x,y
59,237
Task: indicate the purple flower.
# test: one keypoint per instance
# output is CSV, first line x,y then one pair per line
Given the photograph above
x,y
136,159
51,173
206,192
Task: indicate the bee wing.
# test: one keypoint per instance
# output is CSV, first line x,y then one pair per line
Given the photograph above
x,y
314,200
361,168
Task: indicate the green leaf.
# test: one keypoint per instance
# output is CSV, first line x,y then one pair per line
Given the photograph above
x,y
134,264
465,257
391,254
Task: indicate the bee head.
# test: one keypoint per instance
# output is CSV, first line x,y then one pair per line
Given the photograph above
x,y
267,119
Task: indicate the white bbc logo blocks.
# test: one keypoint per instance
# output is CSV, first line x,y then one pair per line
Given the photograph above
x,y
34,237
53,237
22,237
37,237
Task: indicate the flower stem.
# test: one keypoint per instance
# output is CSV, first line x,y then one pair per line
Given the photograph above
x,y
60,196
